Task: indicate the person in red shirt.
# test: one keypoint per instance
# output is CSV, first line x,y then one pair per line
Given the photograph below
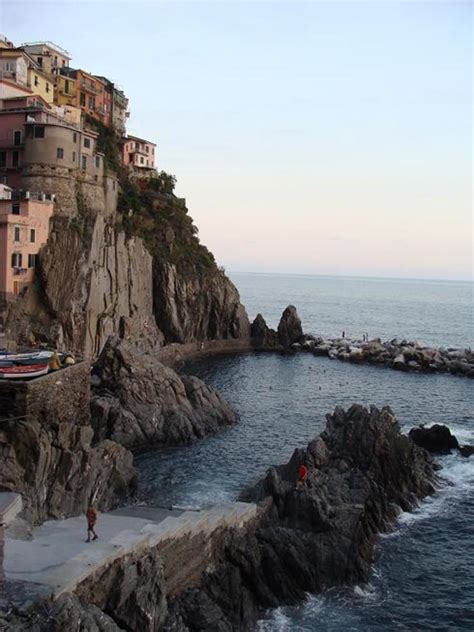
x,y
91,515
303,472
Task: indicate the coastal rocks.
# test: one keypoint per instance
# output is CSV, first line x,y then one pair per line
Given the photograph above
x,y
438,440
401,356
289,335
362,472
262,335
289,327
140,403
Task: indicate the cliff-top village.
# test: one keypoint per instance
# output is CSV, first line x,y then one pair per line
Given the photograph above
x,y
47,111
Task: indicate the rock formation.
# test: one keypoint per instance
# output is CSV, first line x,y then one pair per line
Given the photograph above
x,y
289,332
438,439
362,472
141,403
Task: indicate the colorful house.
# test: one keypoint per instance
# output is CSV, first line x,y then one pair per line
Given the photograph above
x,y
118,105
19,68
81,89
32,132
138,153
24,229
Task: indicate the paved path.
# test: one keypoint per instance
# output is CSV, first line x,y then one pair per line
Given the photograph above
x,y
57,557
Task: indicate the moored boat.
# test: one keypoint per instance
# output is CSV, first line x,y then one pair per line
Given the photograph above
x,y
23,372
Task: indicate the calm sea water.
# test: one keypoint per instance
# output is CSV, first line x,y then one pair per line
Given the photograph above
x,y
434,312
424,574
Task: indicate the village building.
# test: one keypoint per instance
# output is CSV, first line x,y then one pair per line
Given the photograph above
x,y
79,88
138,153
118,106
47,55
33,132
21,69
24,229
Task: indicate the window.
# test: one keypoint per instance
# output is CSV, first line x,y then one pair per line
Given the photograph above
x,y
141,160
91,103
40,61
59,152
39,131
16,233
74,138
82,99
55,60
47,87
36,80
74,157
137,146
66,86
15,159
87,142
32,261
16,208
97,162
3,159
17,260
32,235
17,137
84,162
147,149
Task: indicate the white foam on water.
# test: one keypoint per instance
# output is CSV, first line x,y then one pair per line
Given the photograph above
x,y
278,622
457,481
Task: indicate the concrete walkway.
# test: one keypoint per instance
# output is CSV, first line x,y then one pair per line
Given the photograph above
x,y
57,558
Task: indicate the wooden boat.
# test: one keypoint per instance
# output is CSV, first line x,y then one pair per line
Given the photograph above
x,y
32,355
23,372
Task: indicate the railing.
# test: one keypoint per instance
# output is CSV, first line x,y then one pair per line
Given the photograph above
x,y
19,271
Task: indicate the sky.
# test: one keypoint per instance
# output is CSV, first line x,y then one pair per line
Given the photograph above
x,y
307,137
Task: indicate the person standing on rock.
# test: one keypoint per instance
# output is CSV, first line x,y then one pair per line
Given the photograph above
x,y
91,516
302,476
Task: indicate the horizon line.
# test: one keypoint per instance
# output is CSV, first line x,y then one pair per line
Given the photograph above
x,y
351,276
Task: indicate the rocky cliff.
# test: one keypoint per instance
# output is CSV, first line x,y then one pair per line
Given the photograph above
x,y
125,263
140,403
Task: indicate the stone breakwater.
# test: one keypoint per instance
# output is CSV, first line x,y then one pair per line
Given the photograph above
x,y
401,355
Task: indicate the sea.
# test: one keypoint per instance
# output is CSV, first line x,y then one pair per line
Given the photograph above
x,y
423,574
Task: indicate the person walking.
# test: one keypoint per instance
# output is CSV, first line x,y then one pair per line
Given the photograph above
x,y
91,515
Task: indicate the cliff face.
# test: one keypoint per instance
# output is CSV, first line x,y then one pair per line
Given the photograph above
x,y
47,450
134,272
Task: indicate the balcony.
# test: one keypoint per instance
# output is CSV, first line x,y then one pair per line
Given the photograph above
x,y
19,271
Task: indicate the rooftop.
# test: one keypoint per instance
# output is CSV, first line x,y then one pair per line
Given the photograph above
x,y
140,140
50,45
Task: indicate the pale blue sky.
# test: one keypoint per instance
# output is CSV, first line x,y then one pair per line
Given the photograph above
x,y
326,138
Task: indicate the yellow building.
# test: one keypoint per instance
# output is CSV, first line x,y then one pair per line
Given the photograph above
x,y
41,83
65,92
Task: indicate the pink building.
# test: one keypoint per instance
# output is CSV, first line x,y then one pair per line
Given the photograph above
x,y
138,153
24,229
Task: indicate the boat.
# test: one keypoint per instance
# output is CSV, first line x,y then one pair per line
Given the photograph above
x,y
31,355
23,372
28,361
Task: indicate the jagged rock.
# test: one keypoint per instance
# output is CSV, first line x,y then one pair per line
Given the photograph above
x,y
436,439
311,537
466,450
262,335
289,327
140,402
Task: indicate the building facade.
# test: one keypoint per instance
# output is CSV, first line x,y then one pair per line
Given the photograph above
x,y
48,56
32,132
138,153
79,88
24,229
